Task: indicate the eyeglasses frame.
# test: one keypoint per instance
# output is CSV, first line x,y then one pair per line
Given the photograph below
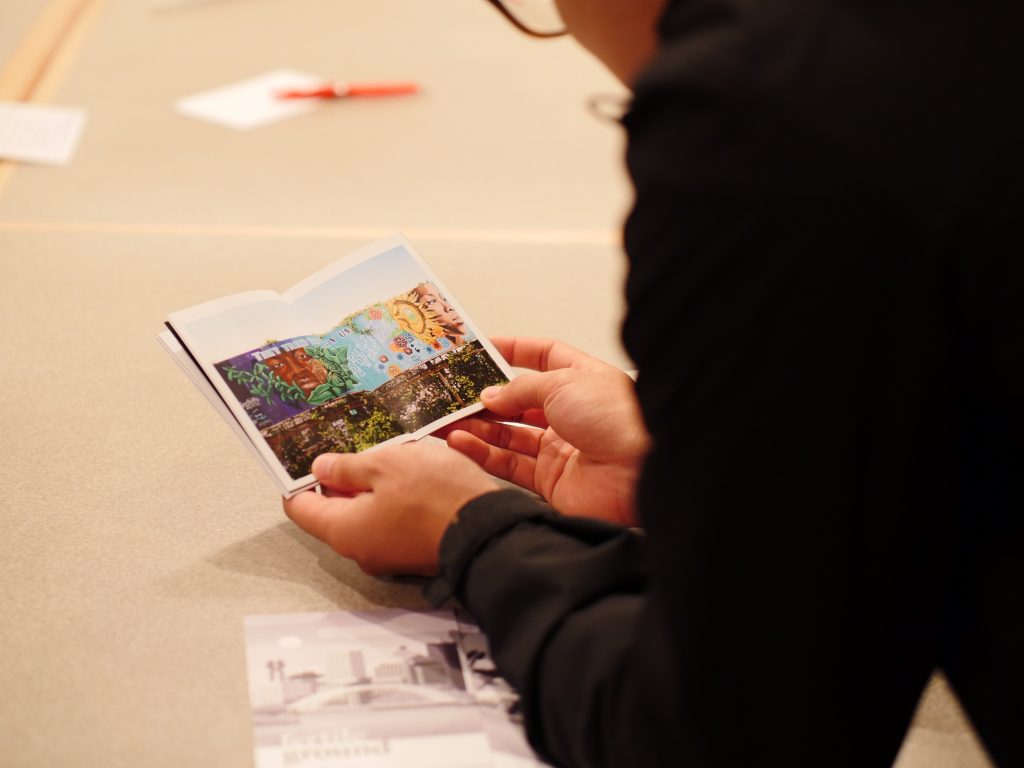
x,y
520,26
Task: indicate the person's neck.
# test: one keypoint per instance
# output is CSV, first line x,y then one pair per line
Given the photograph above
x,y
623,37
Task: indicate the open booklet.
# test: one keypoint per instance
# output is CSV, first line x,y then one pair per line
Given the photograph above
x,y
370,350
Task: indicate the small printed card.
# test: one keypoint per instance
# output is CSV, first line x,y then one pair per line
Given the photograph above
x,y
379,689
36,133
252,103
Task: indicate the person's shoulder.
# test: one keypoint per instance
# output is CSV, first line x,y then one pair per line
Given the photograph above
x,y
683,97
697,43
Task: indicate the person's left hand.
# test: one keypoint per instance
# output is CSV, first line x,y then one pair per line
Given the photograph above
x,y
388,508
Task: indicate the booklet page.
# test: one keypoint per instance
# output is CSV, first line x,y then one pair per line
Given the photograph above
x,y
384,353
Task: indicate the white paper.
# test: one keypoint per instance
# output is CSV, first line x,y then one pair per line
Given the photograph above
x,y
379,689
252,103
36,133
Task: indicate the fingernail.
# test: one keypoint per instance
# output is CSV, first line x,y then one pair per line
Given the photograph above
x,y
322,464
490,393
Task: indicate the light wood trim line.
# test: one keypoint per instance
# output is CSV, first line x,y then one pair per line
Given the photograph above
x,y
26,69
598,237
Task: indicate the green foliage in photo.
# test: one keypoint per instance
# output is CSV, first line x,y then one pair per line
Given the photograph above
x,y
263,383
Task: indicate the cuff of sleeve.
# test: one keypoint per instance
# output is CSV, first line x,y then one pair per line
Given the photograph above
x,y
479,521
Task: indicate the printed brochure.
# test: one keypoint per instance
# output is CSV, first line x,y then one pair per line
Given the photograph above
x,y
369,351
380,688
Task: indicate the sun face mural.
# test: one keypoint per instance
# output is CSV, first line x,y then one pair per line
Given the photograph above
x,y
390,368
439,308
360,352
411,315
424,312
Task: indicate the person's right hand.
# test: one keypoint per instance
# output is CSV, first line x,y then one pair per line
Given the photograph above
x,y
581,438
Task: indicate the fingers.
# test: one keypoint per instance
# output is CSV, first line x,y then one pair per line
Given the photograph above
x,y
506,463
345,472
331,514
522,394
388,508
533,417
518,439
334,520
540,354
455,426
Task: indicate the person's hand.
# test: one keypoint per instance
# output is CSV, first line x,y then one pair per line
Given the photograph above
x,y
582,438
388,508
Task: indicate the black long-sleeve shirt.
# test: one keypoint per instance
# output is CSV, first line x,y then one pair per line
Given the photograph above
x,y
826,309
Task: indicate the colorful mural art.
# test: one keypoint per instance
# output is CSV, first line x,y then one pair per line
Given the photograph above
x,y
364,350
313,393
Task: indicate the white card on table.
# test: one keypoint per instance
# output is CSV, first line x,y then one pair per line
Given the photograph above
x,y
38,133
253,102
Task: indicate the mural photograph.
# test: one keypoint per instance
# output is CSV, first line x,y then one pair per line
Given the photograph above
x,y
370,349
384,371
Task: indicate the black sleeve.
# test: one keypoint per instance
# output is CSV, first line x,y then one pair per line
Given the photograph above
x,y
562,602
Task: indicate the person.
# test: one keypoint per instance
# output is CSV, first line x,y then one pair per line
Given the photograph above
x,y
820,501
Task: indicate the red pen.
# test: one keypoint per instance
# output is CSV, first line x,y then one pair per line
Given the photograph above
x,y
346,90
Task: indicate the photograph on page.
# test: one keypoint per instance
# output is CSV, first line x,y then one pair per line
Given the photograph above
x,y
370,350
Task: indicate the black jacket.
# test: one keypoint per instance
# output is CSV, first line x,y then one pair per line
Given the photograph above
x,y
826,308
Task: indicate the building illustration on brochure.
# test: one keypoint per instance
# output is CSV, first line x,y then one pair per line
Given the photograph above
x,y
379,688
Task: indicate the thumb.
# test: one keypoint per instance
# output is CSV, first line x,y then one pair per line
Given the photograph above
x,y
529,391
345,473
